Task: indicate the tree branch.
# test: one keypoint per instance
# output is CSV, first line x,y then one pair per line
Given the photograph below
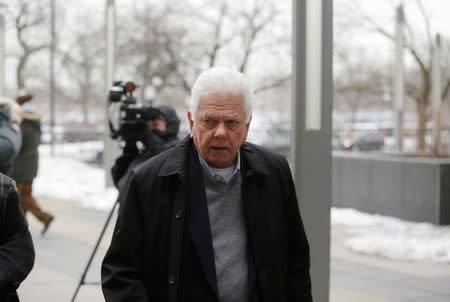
x,y
217,33
426,20
273,84
254,30
408,46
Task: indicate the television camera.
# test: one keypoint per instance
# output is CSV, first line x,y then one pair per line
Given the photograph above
x,y
130,120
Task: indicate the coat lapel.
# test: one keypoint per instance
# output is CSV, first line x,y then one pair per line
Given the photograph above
x,y
199,221
257,220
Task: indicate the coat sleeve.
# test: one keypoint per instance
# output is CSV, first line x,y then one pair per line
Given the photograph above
x,y
131,156
121,272
16,246
299,281
122,163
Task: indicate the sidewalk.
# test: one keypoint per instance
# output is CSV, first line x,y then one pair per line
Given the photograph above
x,y
62,254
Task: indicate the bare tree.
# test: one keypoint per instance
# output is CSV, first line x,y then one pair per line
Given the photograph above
x,y
203,51
233,34
168,45
150,49
421,52
445,69
359,82
255,21
29,19
82,63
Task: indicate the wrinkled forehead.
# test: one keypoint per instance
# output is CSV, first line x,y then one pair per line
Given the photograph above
x,y
223,100
213,113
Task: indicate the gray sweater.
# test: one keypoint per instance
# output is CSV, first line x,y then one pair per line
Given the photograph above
x,y
229,239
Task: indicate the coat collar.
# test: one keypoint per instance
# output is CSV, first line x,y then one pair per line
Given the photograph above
x,y
252,159
177,162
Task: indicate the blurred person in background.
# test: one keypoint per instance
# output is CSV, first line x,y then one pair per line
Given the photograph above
x,y
16,246
10,137
25,165
161,134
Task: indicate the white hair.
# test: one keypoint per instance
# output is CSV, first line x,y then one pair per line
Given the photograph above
x,y
222,79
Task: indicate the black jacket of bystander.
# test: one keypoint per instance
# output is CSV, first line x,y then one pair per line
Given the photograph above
x,y
16,245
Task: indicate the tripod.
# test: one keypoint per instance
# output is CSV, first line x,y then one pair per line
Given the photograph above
x,y
100,237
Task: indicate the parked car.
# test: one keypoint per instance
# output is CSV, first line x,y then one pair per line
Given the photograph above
x,y
364,142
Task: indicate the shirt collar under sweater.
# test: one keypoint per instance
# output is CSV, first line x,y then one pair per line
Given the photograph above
x,y
221,175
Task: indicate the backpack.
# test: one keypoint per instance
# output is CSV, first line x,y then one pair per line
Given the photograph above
x,y
10,139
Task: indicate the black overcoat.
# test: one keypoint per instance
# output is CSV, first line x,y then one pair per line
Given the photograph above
x,y
151,249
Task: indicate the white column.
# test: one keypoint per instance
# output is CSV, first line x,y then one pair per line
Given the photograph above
x,y
436,92
109,144
399,78
313,65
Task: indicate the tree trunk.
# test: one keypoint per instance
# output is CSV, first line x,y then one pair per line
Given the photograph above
x,y
421,125
84,102
19,71
85,112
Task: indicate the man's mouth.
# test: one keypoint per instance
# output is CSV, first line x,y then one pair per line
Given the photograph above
x,y
219,148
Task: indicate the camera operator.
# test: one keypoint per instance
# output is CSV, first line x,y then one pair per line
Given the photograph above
x,y
160,135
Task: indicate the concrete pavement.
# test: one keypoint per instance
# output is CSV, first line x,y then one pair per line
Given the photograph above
x,y
62,253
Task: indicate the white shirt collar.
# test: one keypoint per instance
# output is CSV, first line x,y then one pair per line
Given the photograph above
x,y
216,176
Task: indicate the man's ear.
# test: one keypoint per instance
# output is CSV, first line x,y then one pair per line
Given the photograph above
x,y
191,121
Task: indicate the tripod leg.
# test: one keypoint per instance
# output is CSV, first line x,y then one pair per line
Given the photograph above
x,y
102,233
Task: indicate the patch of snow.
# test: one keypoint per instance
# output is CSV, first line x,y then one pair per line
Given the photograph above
x,y
66,177
394,238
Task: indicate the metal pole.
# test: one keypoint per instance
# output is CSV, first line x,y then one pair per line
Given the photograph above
x,y
399,79
436,93
312,98
2,55
52,76
109,146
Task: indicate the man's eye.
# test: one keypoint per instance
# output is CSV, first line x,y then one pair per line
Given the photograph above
x,y
232,124
208,123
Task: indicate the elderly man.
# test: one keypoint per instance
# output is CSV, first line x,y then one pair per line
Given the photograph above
x,y
213,219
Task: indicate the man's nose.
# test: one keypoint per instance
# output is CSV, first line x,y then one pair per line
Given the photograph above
x,y
221,130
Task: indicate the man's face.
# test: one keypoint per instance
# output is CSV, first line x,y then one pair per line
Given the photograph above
x,y
219,128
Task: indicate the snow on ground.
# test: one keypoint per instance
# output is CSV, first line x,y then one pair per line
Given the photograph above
x,y
394,238
66,176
